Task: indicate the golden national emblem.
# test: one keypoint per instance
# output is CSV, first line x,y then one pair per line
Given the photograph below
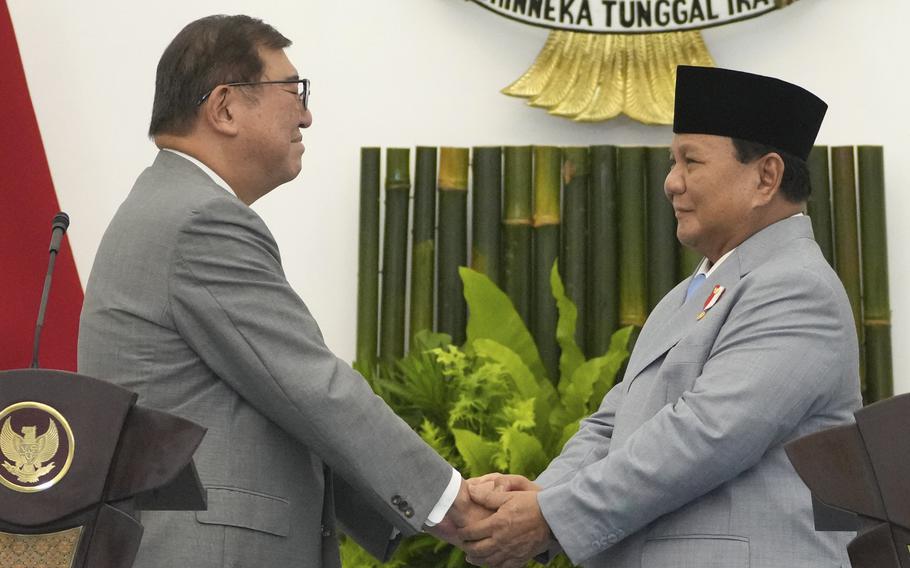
x,y
36,447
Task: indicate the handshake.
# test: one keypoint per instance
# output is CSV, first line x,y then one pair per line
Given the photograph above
x,y
496,520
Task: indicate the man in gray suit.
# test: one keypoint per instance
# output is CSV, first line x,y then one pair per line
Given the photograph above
x,y
683,465
187,305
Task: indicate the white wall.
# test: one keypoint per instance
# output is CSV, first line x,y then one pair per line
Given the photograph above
x,y
408,72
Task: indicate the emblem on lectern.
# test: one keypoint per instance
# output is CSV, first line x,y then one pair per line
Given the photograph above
x,y
36,447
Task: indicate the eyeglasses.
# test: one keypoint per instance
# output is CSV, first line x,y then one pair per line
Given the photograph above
x,y
303,89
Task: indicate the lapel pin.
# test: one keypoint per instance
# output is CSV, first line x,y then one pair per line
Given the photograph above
x,y
709,303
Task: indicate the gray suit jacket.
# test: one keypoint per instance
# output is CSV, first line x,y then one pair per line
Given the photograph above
x,y
188,306
683,465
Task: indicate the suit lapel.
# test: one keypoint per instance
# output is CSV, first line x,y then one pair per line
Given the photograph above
x,y
665,328
673,318
651,335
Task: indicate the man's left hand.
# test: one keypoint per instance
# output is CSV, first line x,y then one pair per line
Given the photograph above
x,y
510,537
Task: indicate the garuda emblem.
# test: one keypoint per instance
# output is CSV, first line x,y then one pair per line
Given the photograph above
x,y
28,452
606,57
36,447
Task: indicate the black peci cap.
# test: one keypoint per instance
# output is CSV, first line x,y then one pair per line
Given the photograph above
x,y
747,106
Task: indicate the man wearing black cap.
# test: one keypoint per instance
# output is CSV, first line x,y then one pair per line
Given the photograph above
x,y
683,464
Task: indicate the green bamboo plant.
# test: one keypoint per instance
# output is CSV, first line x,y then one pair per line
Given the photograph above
x,y
547,163
602,284
486,211
423,243
489,405
368,262
662,246
452,240
633,273
394,254
876,306
575,176
516,228
846,240
819,206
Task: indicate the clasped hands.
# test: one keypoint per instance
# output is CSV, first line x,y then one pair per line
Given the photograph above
x,y
497,521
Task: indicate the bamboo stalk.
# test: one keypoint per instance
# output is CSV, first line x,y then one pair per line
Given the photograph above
x,y
819,205
368,263
547,165
487,212
394,254
876,304
423,243
633,280
663,249
603,252
516,229
846,239
573,260
451,310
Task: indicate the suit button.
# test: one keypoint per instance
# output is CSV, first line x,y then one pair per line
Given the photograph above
x,y
409,512
326,532
396,499
402,505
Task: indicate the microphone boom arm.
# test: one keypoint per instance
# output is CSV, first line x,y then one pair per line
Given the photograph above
x,y
60,224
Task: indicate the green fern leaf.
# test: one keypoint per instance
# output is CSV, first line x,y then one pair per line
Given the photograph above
x,y
523,452
476,452
436,439
520,415
571,356
493,316
522,377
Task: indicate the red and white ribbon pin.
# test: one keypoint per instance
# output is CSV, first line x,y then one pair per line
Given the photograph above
x,y
712,299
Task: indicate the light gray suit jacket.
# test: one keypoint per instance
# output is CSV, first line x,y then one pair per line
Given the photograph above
x,y
683,465
188,306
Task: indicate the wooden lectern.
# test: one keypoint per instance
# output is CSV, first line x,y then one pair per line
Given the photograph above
x,y
78,461
863,469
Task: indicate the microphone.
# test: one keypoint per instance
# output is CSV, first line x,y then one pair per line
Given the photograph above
x,y
58,227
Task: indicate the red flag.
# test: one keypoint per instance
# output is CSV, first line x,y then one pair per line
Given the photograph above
x,y
28,203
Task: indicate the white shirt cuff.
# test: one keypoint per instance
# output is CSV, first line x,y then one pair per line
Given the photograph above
x,y
445,502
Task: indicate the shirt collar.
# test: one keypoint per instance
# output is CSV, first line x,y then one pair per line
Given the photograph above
x,y
703,267
209,172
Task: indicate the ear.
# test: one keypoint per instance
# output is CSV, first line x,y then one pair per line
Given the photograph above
x,y
770,174
218,111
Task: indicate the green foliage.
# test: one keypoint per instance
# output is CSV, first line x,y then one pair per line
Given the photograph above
x,y
493,316
489,406
477,453
411,386
570,357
